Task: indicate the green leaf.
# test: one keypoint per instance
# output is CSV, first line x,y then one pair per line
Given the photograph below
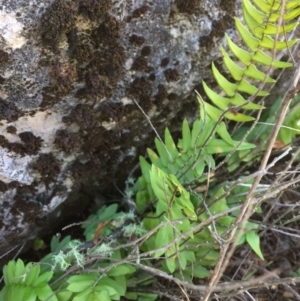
x,y
145,167
57,245
79,283
256,28
268,43
163,237
185,142
84,295
220,205
264,6
103,296
254,242
159,183
200,272
45,277
223,103
44,292
171,260
226,85
122,269
170,145
64,295
242,55
184,257
254,73
8,272
235,70
153,157
111,286
222,131
247,37
20,270
218,146
107,212
226,221
264,59
33,274
215,114
254,13
245,86
29,294
163,154
271,29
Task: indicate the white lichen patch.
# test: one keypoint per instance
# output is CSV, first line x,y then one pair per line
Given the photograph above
x,y
42,124
11,30
55,201
14,167
126,101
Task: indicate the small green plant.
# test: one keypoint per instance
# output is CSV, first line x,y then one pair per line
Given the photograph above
x,y
181,216
26,283
262,19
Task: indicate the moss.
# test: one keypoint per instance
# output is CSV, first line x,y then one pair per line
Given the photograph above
x,y
4,58
67,142
140,64
32,144
152,77
83,173
17,148
108,33
48,100
218,31
47,166
171,75
228,6
94,9
137,40
161,95
78,49
140,86
58,19
187,6
83,115
63,75
219,26
9,111
164,62
146,51
173,96
96,85
11,129
139,11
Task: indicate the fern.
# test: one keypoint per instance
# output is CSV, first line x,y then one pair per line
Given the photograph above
x,y
193,154
186,222
261,17
25,283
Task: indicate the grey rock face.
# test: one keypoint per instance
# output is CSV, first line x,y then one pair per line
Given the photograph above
x,y
69,71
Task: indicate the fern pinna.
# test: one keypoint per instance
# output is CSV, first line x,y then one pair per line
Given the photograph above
x,y
261,17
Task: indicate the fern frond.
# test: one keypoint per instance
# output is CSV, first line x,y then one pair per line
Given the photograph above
x,y
260,17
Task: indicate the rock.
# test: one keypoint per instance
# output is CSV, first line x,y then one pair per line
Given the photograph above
x,y
69,71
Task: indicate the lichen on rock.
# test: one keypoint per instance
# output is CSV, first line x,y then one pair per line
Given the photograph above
x,y
69,71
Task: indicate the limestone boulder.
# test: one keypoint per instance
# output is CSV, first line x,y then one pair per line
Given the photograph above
x,y
70,71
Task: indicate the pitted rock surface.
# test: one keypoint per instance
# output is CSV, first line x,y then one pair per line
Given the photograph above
x,y
70,71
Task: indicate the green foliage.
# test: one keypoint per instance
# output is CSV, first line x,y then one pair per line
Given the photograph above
x,y
183,231
289,130
261,18
26,283
194,152
165,180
